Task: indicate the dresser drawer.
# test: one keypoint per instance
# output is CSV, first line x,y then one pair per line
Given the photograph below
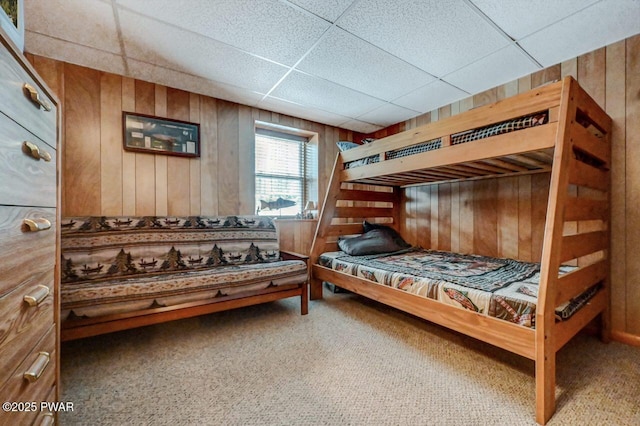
x,y
23,323
19,389
28,179
25,253
47,417
15,100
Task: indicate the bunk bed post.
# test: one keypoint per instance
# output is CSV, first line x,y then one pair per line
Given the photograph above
x,y
324,220
397,212
545,345
605,315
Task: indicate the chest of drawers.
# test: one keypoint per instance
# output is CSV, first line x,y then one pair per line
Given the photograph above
x,y
29,237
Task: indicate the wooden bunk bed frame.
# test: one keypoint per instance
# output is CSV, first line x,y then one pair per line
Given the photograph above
x,y
573,146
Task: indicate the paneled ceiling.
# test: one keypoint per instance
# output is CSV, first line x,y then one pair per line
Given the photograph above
x,y
356,64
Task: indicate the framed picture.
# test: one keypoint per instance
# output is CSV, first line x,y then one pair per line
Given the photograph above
x,y
145,133
12,21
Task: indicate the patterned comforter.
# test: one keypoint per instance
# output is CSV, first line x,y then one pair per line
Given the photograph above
x,y
502,288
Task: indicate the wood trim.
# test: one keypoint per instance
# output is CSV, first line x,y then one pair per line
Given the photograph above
x,y
576,246
359,195
626,338
580,208
505,165
344,229
363,212
582,174
589,143
331,246
575,282
565,330
588,106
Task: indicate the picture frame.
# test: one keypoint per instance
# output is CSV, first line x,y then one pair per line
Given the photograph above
x,y
12,21
155,135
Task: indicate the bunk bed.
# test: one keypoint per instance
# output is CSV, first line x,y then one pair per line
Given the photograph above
x,y
555,129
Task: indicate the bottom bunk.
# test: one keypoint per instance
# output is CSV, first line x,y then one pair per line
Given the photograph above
x,y
501,288
434,286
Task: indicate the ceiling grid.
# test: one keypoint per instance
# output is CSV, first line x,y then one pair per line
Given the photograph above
x,y
356,64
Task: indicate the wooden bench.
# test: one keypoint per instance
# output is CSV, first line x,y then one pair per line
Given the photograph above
x,y
125,272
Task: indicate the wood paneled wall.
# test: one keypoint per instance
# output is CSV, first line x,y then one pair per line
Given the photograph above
x,y
296,235
100,178
492,217
505,217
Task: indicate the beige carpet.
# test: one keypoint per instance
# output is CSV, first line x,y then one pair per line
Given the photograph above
x,y
349,362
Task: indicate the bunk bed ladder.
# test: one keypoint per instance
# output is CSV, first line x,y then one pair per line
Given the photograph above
x,y
343,211
576,232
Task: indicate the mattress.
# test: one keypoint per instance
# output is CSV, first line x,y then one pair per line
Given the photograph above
x,y
502,288
458,138
128,294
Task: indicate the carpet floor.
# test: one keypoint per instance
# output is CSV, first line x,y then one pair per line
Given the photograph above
x,y
351,361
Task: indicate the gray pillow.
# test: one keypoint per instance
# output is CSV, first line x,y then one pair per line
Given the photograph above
x,y
375,241
397,238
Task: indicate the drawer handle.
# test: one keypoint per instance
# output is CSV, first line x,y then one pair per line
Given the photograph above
x,y
35,151
37,296
35,225
35,97
47,420
37,368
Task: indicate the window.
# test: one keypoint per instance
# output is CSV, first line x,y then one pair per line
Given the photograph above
x,y
286,171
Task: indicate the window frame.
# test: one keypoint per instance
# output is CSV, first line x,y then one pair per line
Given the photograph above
x,y
309,173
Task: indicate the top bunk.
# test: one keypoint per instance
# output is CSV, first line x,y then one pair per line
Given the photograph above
x,y
513,136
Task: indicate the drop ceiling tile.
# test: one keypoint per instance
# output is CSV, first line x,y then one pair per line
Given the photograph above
x,y
352,62
387,115
519,18
431,96
170,47
87,22
498,68
436,36
360,126
295,110
267,28
599,25
178,80
317,93
326,9
61,50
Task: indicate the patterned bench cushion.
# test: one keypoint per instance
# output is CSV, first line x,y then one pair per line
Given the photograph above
x,y
102,248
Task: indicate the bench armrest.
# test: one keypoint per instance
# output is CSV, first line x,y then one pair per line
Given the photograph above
x,y
290,255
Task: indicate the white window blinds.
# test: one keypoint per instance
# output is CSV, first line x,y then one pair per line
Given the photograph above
x,y
281,173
